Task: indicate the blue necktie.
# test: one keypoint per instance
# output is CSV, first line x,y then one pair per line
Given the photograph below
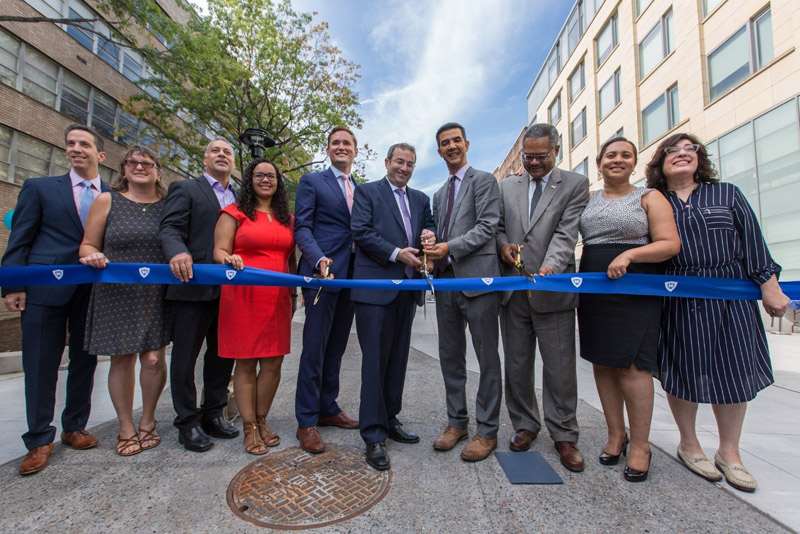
x,y
86,201
407,223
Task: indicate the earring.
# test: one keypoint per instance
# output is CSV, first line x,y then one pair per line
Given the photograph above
x,y
634,172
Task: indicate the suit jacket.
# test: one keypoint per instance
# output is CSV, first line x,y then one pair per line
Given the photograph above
x,y
473,225
190,215
46,230
322,224
549,237
378,229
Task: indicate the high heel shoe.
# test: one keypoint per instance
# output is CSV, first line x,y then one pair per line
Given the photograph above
x,y
613,459
634,475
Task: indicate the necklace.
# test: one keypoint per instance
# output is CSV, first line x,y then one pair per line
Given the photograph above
x,y
143,205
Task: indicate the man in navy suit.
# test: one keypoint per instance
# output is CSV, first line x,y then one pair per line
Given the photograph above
x,y
323,204
47,229
390,222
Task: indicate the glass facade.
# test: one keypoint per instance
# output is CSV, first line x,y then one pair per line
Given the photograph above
x,y
660,116
606,40
577,81
578,128
609,95
656,45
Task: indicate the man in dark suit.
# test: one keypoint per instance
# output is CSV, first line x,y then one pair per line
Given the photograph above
x,y
187,237
466,210
323,204
390,223
540,212
47,229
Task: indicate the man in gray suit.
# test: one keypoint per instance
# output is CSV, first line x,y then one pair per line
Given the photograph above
x,y
466,211
540,211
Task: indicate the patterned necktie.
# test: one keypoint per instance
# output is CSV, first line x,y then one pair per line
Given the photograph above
x,y
451,197
85,201
407,223
348,192
537,194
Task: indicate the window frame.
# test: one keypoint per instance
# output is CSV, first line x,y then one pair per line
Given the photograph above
x,y
556,102
671,110
613,22
580,68
664,25
615,80
573,141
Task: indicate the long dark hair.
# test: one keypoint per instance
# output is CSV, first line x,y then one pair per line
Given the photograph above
x,y
247,195
655,176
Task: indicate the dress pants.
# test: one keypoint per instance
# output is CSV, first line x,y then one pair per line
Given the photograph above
x,y
44,330
522,327
384,333
194,323
454,311
325,335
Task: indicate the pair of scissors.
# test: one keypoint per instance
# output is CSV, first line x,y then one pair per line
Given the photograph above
x,y
424,270
322,275
521,267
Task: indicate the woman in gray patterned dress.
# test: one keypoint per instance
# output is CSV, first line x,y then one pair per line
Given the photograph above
x,y
129,319
625,229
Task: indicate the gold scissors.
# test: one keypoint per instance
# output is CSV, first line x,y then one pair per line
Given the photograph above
x,y
428,277
322,275
521,267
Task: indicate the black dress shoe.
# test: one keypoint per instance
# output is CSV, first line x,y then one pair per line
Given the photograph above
x,y
401,435
377,457
613,459
194,439
217,427
634,475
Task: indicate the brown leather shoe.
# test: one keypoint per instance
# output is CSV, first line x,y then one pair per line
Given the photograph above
x,y
341,419
521,440
310,440
478,449
80,440
35,460
448,439
571,457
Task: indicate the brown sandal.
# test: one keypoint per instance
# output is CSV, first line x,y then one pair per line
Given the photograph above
x,y
148,439
124,443
269,438
252,440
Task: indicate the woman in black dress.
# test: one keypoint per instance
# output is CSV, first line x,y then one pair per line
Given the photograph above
x,y
713,351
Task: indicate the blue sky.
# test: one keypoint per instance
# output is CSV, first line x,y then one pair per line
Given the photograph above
x,y
424,63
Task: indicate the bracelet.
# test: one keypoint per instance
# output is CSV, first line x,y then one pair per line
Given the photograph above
x,y
293,295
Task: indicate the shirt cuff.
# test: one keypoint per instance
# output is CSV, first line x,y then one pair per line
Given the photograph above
x,y
393,257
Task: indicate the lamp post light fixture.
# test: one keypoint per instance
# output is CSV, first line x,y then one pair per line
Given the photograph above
x,y
258,140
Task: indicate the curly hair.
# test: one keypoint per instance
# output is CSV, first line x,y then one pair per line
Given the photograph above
x,y
247,195
121,181
655,176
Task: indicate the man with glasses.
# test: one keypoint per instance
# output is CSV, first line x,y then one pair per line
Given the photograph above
x,y
187,237
390,224
540,211
47,229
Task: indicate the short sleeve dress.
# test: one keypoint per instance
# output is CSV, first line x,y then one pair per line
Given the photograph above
x,y
715,351
130,318
255,321
617,330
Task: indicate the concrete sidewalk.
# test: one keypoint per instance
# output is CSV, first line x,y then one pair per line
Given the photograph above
x,y
170,489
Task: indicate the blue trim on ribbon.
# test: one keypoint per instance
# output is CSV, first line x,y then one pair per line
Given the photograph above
x,y
630,284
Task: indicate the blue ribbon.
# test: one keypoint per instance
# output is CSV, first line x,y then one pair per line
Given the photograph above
x,y
630,284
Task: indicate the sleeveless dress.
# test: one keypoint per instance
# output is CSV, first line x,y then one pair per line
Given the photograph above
x,y
255,321
715,351
617,330
129,318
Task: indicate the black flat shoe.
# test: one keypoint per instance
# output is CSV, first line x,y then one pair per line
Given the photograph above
x,y
613,459
401,435
195,440
377,457
632,475
217,427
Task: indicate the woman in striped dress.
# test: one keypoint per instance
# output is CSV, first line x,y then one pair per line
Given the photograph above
x,y
713,351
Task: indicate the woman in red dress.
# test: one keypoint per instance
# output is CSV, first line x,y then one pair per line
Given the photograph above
x,y
255,321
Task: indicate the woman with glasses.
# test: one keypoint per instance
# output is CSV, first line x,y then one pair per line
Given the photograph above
x,y
255,321
129,319
713,351
626,229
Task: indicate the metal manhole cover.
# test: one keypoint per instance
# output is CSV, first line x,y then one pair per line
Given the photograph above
x,y
292,489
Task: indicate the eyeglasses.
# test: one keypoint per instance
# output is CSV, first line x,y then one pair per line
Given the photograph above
x,y
672,150
537,157
260,177
146,165
404,163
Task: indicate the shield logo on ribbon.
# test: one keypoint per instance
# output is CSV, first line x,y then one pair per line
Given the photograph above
x,y
671,285
488,281
144,271
576,281
229,274
307,279
395,282
58,273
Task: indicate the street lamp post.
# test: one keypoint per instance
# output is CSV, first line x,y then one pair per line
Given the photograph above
x,y
258,140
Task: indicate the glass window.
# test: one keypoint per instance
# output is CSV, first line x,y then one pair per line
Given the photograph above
x,y
709,5
48,8
108,51
75,98
150,89
132,65
577,81
5,151
575,27
560,155
737,161
641,5
660,116
609,95
553,66
765,52
41,77
554,111
9,56
606,40
127,128
103,111
81,31
578,127
582,167
32,159
656,45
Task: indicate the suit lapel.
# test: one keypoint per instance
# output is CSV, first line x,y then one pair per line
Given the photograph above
x,y
333,183
65,192
387,193
547,196
462,190
523,205
208,192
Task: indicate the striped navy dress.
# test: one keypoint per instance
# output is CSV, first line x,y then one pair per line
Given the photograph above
x,y
715,351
